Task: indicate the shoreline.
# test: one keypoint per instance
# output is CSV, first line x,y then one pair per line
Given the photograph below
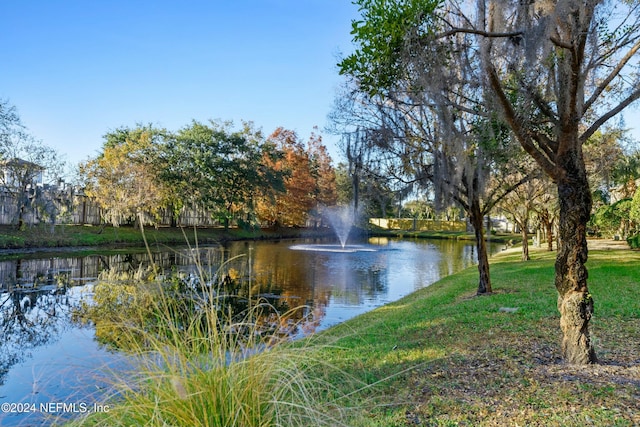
x,y
74,238
78,239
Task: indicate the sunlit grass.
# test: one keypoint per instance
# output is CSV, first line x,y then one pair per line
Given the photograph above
x,y
448,357
213,368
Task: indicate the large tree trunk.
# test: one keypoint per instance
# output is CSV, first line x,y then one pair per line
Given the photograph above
x,y
475,217
574,300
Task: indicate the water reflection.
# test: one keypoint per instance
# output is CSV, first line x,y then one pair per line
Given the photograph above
x,y
30,318
37,296
35,304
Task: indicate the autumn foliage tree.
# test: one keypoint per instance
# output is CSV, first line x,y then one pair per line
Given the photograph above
x,y
322,170
123,179
292,206
308,176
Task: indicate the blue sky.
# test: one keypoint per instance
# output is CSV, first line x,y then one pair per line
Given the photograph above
x,y
76,69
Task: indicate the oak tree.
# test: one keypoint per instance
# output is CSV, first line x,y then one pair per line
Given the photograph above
x,y
216,167
430,118
556,72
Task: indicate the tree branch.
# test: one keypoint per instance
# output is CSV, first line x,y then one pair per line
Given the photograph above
x,y
635,95
521,134
560,43
488,34
613,74
492,202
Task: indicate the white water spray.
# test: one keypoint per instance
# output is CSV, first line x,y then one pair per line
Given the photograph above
x,y
342,219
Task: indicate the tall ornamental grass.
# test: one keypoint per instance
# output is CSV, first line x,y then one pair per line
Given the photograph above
x,y
197,363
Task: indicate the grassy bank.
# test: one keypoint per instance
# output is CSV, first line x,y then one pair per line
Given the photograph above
x,y
441,357
66,236
506,238
444,357
43,237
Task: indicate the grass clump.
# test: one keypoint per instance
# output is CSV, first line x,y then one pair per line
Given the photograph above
x,y
197,361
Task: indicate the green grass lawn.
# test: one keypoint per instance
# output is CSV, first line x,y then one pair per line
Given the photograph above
x,y
77,236
510,238
444,357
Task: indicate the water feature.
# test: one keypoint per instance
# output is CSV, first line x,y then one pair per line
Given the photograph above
x,y
47,358
342,219
320,247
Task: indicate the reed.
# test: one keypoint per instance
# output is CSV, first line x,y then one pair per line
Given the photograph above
x,y
195,361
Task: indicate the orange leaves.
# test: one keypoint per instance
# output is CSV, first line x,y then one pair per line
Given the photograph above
x,y
309,179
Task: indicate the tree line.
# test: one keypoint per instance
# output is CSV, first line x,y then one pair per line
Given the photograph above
x,y
144,174
236,175
611,158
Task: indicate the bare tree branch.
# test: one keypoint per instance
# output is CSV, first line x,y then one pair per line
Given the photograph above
x,y
615,72
482,33
634,96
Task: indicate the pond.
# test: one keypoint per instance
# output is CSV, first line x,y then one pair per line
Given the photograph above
x,y
53,366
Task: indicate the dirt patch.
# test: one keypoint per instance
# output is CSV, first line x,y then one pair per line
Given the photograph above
x,y
607,245
497,383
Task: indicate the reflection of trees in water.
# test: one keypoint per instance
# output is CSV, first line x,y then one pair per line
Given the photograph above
x,y
80,270
129,309
310,280
37,302
294,276
354,278
31,317
35,305
296,281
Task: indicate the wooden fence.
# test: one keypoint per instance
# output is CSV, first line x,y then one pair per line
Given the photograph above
x,y
82,210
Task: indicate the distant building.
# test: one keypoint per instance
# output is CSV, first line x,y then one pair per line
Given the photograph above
x,y
16,173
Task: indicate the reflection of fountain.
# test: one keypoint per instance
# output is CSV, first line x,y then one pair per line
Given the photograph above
x,y
333,248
